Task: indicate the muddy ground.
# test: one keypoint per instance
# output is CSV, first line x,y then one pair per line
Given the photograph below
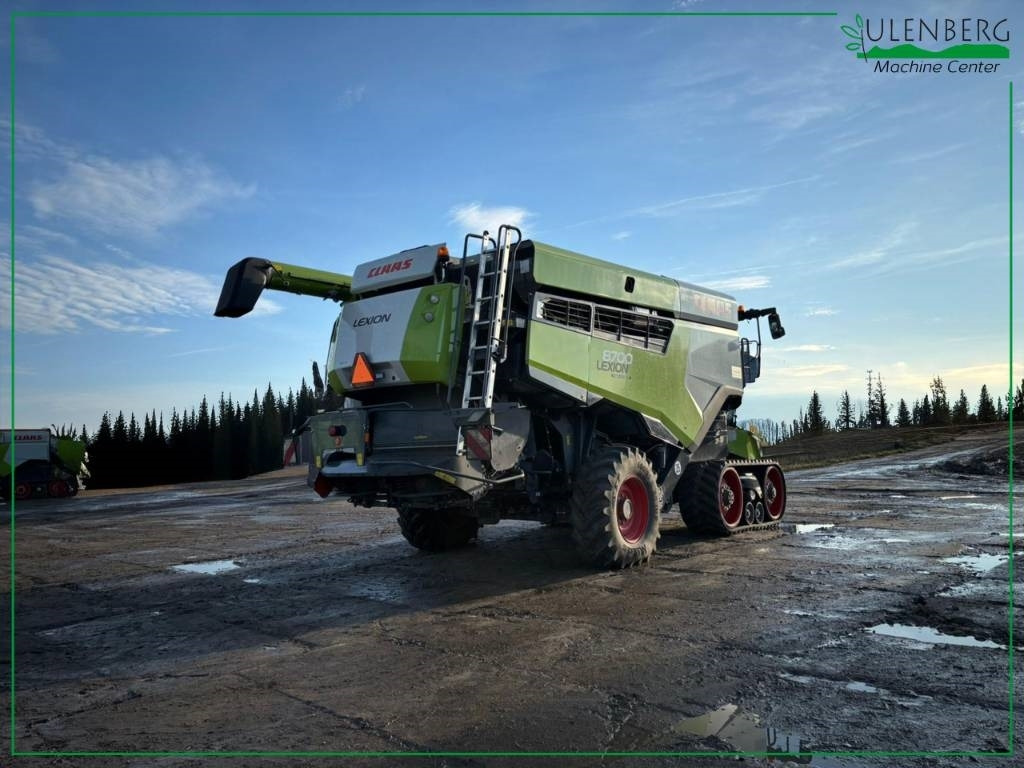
x,y
252,616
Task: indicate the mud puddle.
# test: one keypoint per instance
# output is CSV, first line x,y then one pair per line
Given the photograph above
x,y
210,568
742,730
928,636
978,564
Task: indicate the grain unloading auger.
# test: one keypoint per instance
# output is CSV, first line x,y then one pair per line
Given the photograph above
x,y
530,382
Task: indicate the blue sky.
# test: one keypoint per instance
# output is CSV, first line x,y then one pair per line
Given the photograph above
x,y
754,155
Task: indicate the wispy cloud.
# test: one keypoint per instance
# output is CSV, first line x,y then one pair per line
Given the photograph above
x,y
712,200
821,312
809,348
882,249
352,96
138,197
189,352
741,283
813,371
621,235
922,157
968,251
474,217
57,295
708,201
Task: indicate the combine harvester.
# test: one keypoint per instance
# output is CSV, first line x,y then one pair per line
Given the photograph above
x,y
47,464
530,382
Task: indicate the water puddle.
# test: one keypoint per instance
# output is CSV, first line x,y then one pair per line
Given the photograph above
x,y
929,636
252,581
742,730
210,568
806,527
979,564
962,496
858,687
837,542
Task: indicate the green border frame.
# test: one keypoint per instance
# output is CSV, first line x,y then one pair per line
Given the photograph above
x,y
1009,752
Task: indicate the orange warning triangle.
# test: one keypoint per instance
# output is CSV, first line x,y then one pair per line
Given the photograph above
x,y
362,373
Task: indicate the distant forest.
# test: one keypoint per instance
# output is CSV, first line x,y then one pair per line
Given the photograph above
x,y
231,439
934,409
212,442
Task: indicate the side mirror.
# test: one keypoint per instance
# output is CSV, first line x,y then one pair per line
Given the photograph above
x,y
775,326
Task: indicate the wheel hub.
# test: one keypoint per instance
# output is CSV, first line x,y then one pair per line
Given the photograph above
x,y
632,510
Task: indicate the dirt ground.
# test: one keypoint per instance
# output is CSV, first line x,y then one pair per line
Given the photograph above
x,y
253,616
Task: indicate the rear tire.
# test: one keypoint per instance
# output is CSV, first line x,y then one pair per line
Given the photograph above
x,y
616,509
436,530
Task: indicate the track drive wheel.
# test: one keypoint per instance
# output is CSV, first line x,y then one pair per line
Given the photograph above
x,y
436,530
774,488
616,508
720,498
22,491
58,488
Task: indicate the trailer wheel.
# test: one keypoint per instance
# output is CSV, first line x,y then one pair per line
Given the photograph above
x,y
58,489
436,530
616,509
22,491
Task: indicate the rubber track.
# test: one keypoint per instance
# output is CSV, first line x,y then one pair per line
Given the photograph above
x,y
698,502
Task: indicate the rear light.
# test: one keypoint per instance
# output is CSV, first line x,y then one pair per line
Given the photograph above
x,y
337,430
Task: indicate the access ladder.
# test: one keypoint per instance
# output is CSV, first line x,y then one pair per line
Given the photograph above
x,y
485,344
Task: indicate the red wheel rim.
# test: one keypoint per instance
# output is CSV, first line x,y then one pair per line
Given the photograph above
x,y
632,510
58,489
774,493
730,497
22,491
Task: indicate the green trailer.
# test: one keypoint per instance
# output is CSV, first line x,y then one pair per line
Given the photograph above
x,y
526,381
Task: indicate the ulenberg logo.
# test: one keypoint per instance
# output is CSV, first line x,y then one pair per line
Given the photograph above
x,y
920,38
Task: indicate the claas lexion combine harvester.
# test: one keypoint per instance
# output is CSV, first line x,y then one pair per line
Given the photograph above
x,y
524,381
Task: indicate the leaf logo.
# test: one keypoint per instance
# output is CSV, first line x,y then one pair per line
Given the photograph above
x,y
857,33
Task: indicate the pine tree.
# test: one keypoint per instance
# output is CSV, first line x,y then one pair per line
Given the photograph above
x,y
845,419
940,403
986,410
881,406
1000,411
960,412
927,417
814,421
903,414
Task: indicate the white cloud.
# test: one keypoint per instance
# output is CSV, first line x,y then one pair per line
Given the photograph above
x,y
821,312
133,198
621,235
54,294
473,217
742,283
